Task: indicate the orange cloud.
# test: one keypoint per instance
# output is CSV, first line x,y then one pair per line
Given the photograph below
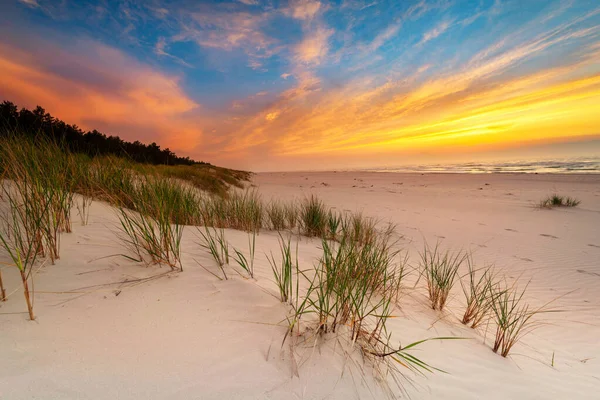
x,y
132,100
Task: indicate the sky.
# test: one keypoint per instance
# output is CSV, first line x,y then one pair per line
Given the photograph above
x,y
311,84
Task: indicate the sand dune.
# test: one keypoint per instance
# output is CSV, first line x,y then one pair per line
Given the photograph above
x,y
189,335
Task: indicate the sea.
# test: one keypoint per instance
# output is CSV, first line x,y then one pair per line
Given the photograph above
x,y
587,165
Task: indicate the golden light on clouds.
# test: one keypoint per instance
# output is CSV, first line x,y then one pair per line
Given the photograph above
x,y
229,83
143,100
272,115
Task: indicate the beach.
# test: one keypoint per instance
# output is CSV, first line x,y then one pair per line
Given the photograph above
x,y
105,331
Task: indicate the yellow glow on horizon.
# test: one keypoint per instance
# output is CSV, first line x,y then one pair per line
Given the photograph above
x,y
561,110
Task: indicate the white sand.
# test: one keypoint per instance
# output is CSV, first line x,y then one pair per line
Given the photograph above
x,y
191,336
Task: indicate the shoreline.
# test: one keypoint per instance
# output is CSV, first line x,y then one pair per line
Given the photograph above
x,y
333,171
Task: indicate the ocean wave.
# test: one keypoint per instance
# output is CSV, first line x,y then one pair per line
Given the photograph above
x,y
561,166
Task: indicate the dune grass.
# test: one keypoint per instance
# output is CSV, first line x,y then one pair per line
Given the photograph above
x,y
22,236
514,318
240,258
440,269
155,240
238,210
38,196
350,279
481,291
83,205
41,178
292,214
556,200
2,289
206,177
313,217
214,242
283,270
276,216
350,294
360,228
245,211
25,227
334,221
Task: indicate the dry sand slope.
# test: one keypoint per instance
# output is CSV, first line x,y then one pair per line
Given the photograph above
x,y
191,336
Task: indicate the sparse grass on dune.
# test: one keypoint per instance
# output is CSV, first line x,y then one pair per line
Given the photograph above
x,y
350,295
35,198
214,242
84,188
41,178
155,228
284,269
21,238
313,217
241,259
360,228
239,210
2,289
514,318
556,200
212,179
440,269
480,290
292,214
245,211
276,215
167,200
334,220
281,216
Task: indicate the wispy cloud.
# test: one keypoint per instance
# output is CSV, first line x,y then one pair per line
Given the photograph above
x,y
435,32
387,34
421,8
304,9
30,3
314,47
227,30
160,50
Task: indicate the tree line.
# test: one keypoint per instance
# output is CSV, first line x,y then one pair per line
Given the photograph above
x,y
29,123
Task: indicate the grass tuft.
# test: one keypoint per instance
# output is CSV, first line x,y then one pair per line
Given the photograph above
x,y
514,318
480,290
440,270
283,270
313,217
213,240
556,200
241,259
350,294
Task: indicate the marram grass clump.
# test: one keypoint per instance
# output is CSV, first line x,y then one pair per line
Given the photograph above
x,y
440,269
556,200
481,288
348,297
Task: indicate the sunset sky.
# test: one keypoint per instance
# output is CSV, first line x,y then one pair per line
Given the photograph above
x,y
297,85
